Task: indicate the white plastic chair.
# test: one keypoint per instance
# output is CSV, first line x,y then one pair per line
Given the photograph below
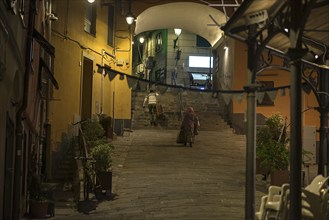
x,y
277,201
260,215
317,184
314,199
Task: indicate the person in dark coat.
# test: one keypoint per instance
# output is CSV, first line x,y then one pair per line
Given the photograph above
x,y
189,127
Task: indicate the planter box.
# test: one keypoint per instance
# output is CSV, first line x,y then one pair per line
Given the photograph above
x,y
260,169
39,210
280,177
104,185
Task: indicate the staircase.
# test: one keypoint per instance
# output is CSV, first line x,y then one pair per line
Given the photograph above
x,y
208,109
65,163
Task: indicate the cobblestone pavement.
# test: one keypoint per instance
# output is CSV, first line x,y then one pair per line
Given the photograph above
x,y
154,178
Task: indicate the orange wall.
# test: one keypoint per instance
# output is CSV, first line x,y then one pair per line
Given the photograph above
x,y
280,78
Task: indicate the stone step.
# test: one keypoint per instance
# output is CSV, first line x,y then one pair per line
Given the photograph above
x,y
170,101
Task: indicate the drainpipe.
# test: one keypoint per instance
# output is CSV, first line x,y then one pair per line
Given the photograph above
x,y
323,110
102,83
45,126
19,115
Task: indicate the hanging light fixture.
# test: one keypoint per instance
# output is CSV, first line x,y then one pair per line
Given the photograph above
x,y
91,1
177,33
130,18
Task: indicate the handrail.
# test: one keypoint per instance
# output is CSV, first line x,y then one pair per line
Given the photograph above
x,y
83,145
82,160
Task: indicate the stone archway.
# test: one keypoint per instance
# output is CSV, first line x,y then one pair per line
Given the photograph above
x,y
192,17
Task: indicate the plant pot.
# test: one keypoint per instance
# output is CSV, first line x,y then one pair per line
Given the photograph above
x,y
280,177
109,132
104,182
261,169
38,210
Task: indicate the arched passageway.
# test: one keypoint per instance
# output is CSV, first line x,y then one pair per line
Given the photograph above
x,y
193,17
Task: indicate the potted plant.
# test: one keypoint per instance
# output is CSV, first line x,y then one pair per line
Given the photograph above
x,y
38,201
272,152
106,123
102,153
92,131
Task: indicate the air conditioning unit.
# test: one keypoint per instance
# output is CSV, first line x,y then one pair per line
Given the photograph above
x,y
149,63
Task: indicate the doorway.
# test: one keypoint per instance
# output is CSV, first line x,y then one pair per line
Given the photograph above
x,y
87,85
8,181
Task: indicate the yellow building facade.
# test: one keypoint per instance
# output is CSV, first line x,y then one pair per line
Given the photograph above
x,y
86,35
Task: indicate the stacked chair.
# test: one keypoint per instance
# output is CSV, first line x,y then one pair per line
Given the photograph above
x,y
315,201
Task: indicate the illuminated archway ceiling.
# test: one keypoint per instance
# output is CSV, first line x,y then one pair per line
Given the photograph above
x,y
188,16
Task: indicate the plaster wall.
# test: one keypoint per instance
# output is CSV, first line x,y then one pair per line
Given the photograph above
x,y
72,44
12,48
280,78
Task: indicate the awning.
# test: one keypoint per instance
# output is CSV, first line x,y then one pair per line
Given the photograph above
x,y
315,35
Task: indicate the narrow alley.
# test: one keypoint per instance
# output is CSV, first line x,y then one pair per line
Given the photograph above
x,y
155,178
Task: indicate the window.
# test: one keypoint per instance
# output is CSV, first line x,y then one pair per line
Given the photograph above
x,y
21,7
158,42
200,80
138,50
201,42
90,19
200,61
266,101
110,34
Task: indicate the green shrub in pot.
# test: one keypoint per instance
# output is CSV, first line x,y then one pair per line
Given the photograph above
x,y
271,142
102,153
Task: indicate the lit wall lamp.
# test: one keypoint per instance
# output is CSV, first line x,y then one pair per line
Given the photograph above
x,y
130,18
141,40
313,56
177,33
225,46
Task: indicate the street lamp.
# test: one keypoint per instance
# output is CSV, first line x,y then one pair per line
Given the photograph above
x,y
130,18
141,40
177,33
